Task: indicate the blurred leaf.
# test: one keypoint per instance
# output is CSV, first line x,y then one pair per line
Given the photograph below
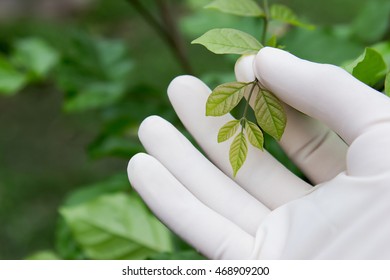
x,y
270,114
115,145
116,226
228,130
384,49
237,153
66,245
201,20
316,45
227,40
272,42
11,80
118,136
369,67
224,98
43,255
284,14
247,8
373,20
255,136
35,56
94,95
387,84
94,72
83,194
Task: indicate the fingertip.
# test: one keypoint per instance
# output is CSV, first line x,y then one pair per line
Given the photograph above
x,y
182,85
150,127
244,69
267,62
136,166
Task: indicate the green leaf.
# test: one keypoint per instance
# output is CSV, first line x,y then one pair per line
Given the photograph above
x,y
224,98
255,136
66,245
384,49
371,24
93,96
227,40
11,80
116,226
238,152
246,8
369,67
93,73
270,114
272,42
284,14
43,255
387,84
35,56
228,130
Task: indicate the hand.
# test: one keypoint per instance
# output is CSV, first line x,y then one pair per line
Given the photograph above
x,y
267,212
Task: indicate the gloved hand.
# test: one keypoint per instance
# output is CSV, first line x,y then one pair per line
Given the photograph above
x,y
266,212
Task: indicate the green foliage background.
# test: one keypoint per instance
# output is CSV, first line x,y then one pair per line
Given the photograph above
x,y
74,89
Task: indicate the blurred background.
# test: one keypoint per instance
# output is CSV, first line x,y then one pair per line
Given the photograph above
x,y
76,79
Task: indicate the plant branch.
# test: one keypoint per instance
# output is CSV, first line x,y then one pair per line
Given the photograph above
x,y
169,33
265,22
249,99
171,25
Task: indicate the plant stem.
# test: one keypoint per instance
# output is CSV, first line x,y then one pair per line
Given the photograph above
x,y
265,22
171,25
169,33
249,99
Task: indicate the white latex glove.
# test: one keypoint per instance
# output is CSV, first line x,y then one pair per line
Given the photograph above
x,y
267,212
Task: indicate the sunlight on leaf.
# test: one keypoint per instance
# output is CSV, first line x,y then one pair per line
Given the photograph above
x,y
228,130
255,136
228,41
238,152
224,98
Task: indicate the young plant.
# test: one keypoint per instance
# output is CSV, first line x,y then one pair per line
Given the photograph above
x,y
268,110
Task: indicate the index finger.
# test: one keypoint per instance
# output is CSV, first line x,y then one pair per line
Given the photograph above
x,y
330,94
325,92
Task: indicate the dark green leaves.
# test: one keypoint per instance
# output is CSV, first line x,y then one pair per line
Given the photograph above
x,y
228,41
270,114
94,73
246,8
238,152
224,98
